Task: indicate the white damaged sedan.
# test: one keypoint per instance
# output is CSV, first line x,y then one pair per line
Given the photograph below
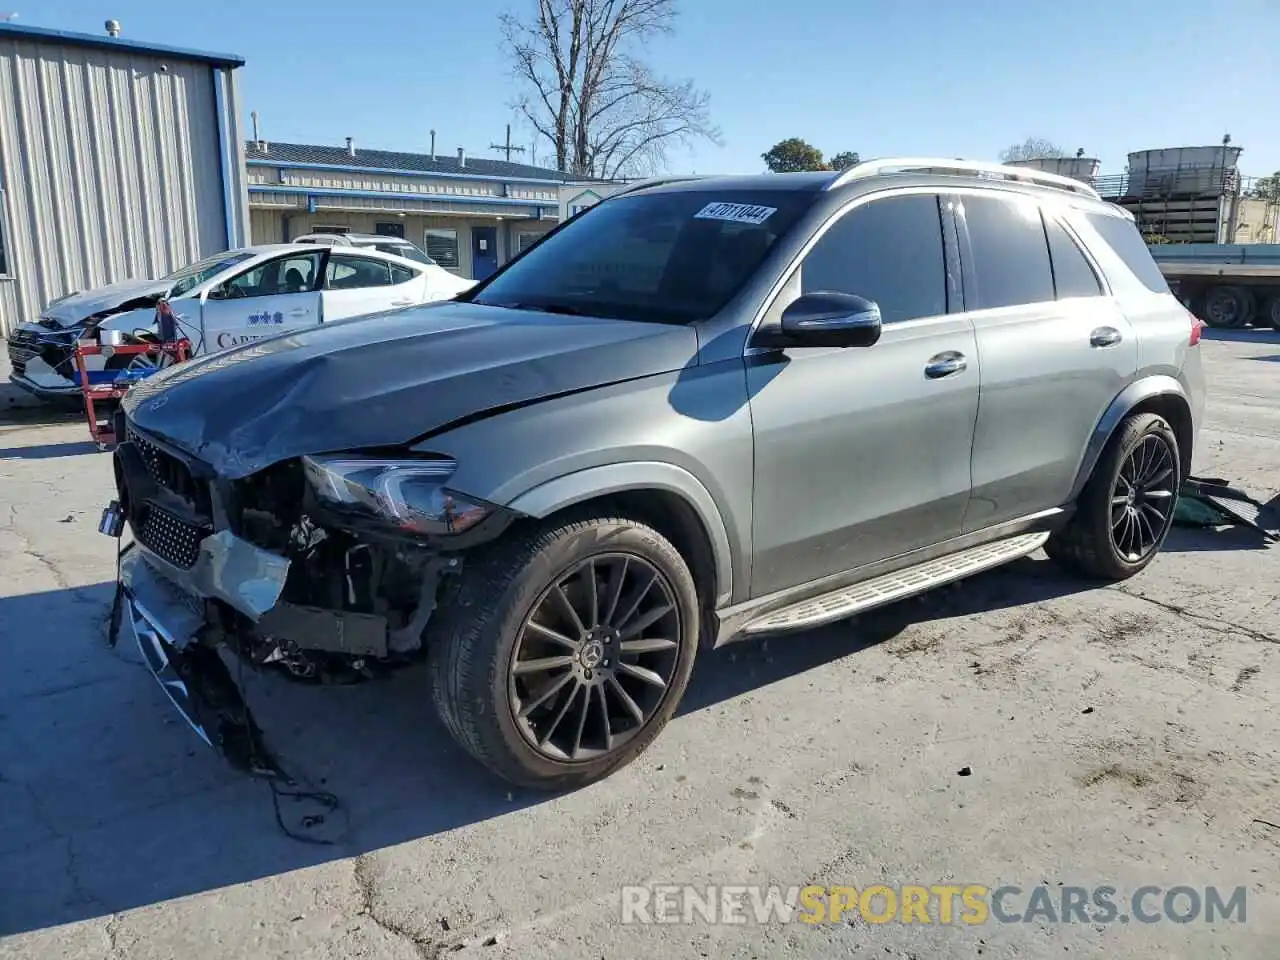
x,y
219,302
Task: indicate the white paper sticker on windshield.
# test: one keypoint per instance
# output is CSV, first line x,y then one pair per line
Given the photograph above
x,y
735,213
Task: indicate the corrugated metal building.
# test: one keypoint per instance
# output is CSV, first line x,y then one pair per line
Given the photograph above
x,y
471,214
118,159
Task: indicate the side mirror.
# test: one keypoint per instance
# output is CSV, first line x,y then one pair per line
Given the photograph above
x,y
826,319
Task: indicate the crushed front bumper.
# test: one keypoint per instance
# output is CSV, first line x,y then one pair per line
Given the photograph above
x,y
164,609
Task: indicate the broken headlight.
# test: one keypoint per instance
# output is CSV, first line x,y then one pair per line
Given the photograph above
x,y
409,494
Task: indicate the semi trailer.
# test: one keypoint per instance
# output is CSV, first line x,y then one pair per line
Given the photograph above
x,y
1225,284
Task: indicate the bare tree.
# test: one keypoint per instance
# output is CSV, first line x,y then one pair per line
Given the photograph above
x,y
1032,148
603,110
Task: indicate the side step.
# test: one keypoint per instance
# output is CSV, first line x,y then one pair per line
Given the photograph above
x,y
847,601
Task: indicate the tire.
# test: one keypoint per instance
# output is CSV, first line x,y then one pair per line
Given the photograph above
x,y
1228,307
1271,311
1089,545
479,692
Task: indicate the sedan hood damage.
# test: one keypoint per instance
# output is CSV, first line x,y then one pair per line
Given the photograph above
x,y
70,310
387,380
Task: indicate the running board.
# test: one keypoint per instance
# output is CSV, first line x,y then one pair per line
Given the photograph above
x,y
847,601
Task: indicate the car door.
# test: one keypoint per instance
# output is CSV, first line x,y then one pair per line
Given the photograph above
x,y
355,285
862,453
1055,351
270,297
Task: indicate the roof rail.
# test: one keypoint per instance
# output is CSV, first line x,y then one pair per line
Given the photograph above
x,y
875,168
655,182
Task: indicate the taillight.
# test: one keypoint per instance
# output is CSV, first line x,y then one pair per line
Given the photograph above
x,y
1197,326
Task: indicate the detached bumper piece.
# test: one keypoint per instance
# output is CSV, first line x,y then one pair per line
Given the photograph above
x,y
166,625
1209,501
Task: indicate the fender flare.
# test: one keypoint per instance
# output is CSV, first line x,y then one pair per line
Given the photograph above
x,y
582,485
1159,385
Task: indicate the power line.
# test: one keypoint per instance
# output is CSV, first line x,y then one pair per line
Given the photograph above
x,y
507,148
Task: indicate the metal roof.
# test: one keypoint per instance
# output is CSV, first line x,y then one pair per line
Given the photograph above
x,y
392,160
116,44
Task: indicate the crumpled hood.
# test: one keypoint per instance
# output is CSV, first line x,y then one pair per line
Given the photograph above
x,y
388,379
71,310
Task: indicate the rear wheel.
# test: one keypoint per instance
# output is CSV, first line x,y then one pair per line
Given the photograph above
x,y
1126,509
565,650
1228,306
1271,311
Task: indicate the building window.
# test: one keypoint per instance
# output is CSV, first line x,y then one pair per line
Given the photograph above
x,y
442,246
320,228
4,236
526,240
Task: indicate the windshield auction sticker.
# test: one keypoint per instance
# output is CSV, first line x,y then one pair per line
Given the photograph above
x,y
735,213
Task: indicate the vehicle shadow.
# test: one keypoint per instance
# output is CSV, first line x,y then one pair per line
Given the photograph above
x,y
48,451
39,416
108,803
1212,539
1269,358
1245,335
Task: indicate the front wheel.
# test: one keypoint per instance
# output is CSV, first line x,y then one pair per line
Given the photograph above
x,y
565,650
1126,509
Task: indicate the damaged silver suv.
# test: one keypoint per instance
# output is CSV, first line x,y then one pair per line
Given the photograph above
x,y
704,409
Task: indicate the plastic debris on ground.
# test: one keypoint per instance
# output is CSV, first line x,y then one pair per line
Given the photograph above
x,y
1212,502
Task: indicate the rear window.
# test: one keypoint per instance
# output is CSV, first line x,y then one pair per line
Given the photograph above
x,y
1010,253
406,250
674,257
1123,237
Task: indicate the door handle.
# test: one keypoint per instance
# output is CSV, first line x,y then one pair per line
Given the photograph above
x,y
299,312
402,303
945,364
1105,337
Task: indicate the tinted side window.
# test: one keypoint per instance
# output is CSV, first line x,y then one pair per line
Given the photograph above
x,y
1123,237
1072,274
351,273
889,251
401,274
1010,254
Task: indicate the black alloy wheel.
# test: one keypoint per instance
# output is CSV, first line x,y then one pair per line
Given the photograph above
x,y
1143,498
595,657
1125,510
563,649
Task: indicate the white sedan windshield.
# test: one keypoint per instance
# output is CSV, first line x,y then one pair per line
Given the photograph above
x,y
190,277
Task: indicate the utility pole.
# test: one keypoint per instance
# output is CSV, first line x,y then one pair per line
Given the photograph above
x,y
507,148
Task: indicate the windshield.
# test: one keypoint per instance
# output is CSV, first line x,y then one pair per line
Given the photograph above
x,y
190,277
669,257
406,250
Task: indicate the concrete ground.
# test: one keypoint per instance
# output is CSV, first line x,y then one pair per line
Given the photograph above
x,y
1116,736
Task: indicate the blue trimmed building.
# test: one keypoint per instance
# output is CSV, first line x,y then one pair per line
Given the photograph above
x,y
471,214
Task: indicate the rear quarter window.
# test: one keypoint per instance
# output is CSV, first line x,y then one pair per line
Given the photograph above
x,y
1122,236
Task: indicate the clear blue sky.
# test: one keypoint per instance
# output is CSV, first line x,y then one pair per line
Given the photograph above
x,y
930,77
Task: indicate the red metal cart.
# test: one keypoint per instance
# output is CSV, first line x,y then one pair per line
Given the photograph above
x,y
118,382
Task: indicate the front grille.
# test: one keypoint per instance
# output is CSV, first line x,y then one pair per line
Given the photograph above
x,y
171,538
19,353
170,472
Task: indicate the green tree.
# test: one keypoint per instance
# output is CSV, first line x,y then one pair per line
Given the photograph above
x,y
843,161
793,155
1266,188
